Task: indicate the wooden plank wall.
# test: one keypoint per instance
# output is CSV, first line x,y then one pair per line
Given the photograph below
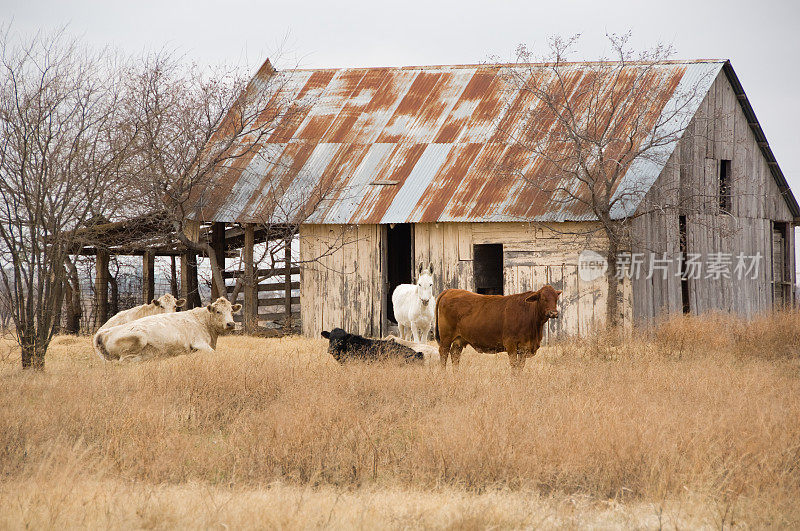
x,y
340,279
344,288
718,131
534,254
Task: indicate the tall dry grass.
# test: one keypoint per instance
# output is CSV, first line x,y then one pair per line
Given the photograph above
x,y
698,408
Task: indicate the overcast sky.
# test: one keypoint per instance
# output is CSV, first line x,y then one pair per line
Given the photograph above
x,y
760,38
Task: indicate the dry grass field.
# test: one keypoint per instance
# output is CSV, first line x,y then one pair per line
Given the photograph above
x,y
696,423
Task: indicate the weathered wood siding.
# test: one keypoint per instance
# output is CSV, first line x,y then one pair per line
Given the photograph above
x,y
534,254
340,278
344,287
689,186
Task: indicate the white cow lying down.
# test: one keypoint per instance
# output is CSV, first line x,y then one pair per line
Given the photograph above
x,y
169,334
164,304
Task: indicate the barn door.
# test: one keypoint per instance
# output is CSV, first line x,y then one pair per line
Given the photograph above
x,y
398,266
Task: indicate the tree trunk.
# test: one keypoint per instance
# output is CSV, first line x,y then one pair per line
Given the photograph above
x,y
114,303
612,301
59,305
73,297
188,234
32,354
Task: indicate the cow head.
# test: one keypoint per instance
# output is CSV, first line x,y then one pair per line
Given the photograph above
x,y
547,298
425,284
337,339
222,311
167,303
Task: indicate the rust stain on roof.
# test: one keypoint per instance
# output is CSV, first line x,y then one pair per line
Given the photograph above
x,y
448,136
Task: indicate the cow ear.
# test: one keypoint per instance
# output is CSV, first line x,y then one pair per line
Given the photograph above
x,y
236,307
180,302
533,298
326,334
155,302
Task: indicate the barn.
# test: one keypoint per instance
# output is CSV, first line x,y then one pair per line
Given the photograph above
x,y
393,167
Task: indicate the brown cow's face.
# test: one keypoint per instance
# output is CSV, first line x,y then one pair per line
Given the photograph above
x,y
547,296
222,313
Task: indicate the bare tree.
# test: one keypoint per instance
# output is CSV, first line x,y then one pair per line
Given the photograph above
x,y
63,146
588,125
195,126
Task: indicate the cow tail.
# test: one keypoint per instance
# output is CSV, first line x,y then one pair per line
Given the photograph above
x,y
436,318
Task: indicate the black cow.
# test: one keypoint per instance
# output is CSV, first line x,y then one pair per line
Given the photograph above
x,y
351,347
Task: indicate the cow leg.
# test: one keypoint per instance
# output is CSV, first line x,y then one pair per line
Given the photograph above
x,y
455,352
514,357
202,346
444,351
522,355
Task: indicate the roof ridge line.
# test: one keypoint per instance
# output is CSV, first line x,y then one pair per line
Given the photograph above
x,y
501,65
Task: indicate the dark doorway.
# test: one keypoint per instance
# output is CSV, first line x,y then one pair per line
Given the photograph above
x,y
687,308
488,268
399,260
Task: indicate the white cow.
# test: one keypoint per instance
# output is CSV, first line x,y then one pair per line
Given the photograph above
x,y
164,304
168,334
414,305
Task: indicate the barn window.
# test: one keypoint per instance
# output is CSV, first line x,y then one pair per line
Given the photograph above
x,y
725,201
488,268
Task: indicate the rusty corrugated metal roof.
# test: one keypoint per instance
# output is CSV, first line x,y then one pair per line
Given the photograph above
x,y
421,144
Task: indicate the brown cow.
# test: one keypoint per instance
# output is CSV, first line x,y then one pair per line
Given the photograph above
x,y
493,323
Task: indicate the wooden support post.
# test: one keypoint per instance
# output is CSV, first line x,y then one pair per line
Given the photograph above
x,y
218,244
250,310
101,287
287,264
148,276
73,325
173,279
189,283
185,283
73,300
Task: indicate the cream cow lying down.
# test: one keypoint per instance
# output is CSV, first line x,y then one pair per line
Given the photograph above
x,y
169,334
164,304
